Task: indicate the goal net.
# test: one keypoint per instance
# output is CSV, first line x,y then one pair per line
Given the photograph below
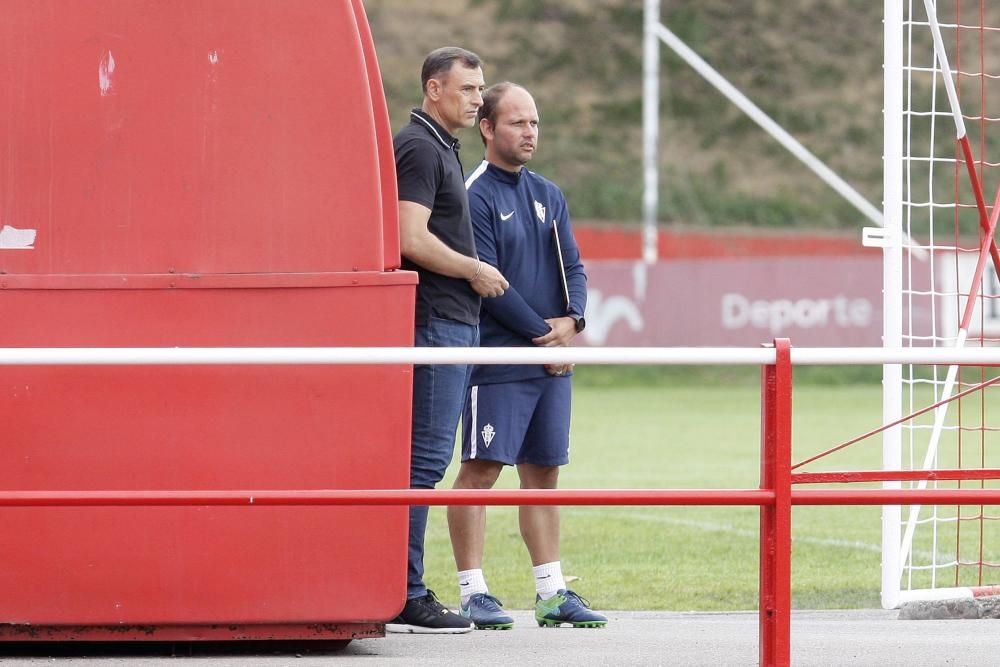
x,y
936,223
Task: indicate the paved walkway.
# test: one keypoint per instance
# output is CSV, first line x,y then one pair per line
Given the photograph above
x,y
819,638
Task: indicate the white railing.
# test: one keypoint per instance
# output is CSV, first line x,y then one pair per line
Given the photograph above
x,y
683,356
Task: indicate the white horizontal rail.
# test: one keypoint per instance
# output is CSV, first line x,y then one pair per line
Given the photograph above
x,y
681,356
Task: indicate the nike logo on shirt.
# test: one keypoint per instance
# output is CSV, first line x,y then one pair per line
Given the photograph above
x,y
506,217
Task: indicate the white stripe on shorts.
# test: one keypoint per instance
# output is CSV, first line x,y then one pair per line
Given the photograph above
x,y
473,428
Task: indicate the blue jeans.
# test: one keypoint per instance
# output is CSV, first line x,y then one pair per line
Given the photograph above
x,y
438,396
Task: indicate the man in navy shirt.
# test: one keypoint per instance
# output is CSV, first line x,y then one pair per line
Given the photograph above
x,y
519,415
436,241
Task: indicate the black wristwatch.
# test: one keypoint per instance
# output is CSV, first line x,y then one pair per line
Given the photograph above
x,y
581,323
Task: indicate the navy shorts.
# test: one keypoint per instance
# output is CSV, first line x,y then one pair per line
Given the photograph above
x,y
518,422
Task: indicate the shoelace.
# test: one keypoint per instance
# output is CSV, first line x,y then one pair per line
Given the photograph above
x,y
490,603
579,598
430,600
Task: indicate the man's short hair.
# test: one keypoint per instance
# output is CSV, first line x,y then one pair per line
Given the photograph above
x,y
491,100
439,61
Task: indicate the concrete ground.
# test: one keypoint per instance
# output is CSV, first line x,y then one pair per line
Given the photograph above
x,y
827,638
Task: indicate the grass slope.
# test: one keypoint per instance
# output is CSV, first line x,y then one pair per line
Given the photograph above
x,y
814,66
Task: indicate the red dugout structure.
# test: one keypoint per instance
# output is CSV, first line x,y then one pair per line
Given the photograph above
x,y
199,173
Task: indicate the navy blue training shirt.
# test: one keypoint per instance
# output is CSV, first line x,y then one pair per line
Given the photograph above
x,y
513,214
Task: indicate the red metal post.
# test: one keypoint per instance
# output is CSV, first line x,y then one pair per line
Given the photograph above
x,y
776,518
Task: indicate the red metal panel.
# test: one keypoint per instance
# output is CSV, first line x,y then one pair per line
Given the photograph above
x,y
203,428
198,173
192,136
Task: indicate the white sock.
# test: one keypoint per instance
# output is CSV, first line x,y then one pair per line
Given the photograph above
x,y
471,582
548,579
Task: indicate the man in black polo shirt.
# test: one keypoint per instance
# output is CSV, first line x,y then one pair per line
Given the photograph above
x,y
436,241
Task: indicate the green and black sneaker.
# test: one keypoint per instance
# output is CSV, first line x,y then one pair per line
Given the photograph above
x,y
567,607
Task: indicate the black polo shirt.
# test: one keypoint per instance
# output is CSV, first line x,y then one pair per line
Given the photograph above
x,y
429,173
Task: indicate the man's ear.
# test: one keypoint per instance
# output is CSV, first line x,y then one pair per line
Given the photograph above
x,y
486,128
433,91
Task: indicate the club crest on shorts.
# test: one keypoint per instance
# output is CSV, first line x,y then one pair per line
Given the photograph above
x,y
540,211
488,433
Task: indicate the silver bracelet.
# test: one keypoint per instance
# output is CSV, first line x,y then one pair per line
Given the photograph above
x,y
479,269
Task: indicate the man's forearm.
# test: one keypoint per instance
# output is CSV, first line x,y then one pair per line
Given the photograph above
x,y
429,252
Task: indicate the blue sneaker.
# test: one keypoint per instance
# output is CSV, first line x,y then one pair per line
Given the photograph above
x,y
486,612
567,607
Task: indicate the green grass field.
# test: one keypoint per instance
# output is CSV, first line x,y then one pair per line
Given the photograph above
x,y
679,434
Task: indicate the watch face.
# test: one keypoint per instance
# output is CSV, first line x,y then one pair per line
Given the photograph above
x,y
581,324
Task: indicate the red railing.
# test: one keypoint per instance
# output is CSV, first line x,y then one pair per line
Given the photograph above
x,y
776,497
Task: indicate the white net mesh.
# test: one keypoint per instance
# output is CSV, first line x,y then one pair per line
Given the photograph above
x,y
951,546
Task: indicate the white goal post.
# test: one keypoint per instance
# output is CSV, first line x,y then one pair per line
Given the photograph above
x,y
936,154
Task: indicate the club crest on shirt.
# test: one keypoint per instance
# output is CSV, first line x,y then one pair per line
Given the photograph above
x,y
540,211
488,433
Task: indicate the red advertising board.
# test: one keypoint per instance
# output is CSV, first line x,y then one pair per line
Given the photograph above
x,y
815,301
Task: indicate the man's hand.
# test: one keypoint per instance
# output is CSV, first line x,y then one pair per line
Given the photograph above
x,y
489,281
562,332
558,369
